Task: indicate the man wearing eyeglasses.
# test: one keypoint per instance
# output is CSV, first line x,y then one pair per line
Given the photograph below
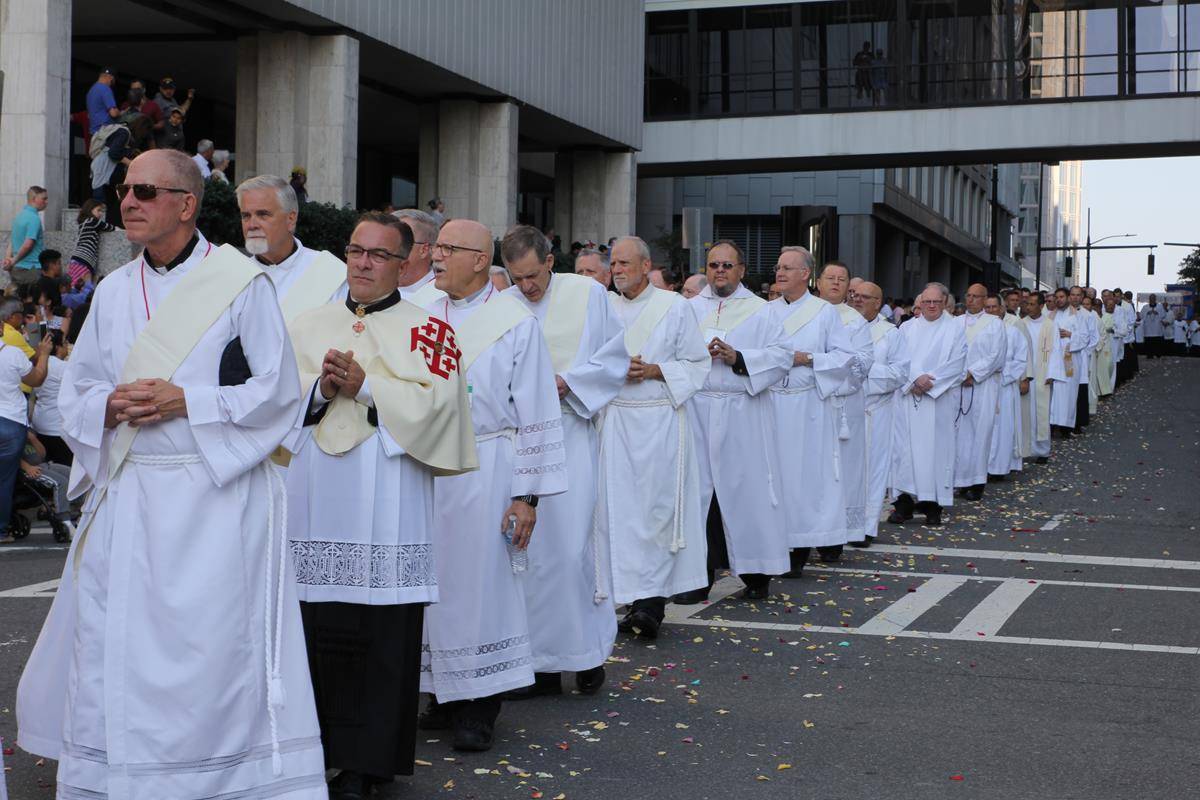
x,y
741,487
304,279
478,641
416,275
568,592
926,409
833,284
180,557
986,353
806,418
385,411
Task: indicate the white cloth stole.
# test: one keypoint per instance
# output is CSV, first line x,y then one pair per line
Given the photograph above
x,y
313,288
731,312
484,328
637,334
565,318
803,315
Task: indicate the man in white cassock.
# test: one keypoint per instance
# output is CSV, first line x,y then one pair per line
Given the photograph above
x,y
477,643
568,592
648,506
1131,323
1082,307
385,410
156,675
979,394
1107,352
1046,361
1005,455
741,486
923,467
833,285
807,418
416,275
303,278
889,372
1064,400
1013,311
1154,316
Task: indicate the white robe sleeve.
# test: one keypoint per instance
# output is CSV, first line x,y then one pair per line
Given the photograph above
x,y
864,354
950,373
684,374
83,395
837,364
890,373
596,380
236,427
768,364
986,353
1017,356
539,466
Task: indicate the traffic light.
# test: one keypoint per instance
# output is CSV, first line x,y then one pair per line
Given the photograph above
x,y
1150,264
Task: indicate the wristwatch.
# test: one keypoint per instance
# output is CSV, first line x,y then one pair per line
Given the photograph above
x,y
530,499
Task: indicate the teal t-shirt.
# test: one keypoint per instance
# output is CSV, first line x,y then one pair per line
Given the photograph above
x,y
27,225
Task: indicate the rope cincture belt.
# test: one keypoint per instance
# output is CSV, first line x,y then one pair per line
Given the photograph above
x,y
272,637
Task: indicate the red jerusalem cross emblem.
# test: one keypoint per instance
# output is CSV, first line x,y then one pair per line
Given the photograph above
x,y
436,341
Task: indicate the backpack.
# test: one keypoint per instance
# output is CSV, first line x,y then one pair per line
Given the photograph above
x,y
100,138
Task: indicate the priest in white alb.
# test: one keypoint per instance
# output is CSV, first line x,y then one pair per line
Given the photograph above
x,y
303,278
157,675
807,417
1045,361
1089,323
1013,316
741,485
833,285
385,410
978,397
477,643
568,592
1064,400
1005,455
648,506
416,276
889,372
1108,351
923,467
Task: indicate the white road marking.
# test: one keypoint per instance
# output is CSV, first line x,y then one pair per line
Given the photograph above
x,y
1053,522
866,572
43,589
723,588
904,612
987,618
1024,555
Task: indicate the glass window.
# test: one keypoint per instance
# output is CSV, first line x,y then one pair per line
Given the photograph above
x,y
667,64
1156,44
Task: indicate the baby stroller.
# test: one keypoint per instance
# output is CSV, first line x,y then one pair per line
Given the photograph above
x,y
29,495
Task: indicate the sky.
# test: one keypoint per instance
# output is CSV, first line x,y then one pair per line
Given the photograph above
x,y
1154,198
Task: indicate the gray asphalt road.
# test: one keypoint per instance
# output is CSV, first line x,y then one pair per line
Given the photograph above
x,y
1043,644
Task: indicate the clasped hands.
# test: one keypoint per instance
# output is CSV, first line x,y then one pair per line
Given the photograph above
x,y
341,374
723,351
641,371
922,384
144,402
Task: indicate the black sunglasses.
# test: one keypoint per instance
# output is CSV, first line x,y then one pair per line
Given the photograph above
x,y
145,191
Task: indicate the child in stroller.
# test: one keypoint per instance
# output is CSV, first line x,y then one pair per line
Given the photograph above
x,y
41,487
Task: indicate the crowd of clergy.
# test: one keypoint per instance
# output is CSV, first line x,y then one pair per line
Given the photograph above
x,y
318,488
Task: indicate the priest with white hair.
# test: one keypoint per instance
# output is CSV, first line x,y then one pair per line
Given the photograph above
x,y
649,479
889,372
568,594
926,409
741,485
807,419
979,394
1064,399
416,275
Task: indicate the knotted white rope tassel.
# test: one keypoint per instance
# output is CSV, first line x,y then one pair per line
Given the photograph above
x,y
273,637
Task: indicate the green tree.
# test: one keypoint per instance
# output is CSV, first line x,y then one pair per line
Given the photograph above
x,y
1189,268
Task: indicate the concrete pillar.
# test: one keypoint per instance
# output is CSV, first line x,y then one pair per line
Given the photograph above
x,y
889,261
564,173
587,196
427,159
856,244
246,109
35,59
458,145
655,212
939,269
620,194
496,193
307,111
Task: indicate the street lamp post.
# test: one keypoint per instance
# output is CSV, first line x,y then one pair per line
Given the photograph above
x,y
1088,250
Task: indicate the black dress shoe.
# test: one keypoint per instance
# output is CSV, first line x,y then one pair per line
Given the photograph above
x,y
759,591
691,598
973,493
435,717
351,786
625,625
831,554
933,517
644,625
590,680
798,557
897,518
1041,460
864,544
544,684
473,735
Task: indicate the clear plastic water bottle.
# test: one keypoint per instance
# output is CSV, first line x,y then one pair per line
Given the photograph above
x,y
518,558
